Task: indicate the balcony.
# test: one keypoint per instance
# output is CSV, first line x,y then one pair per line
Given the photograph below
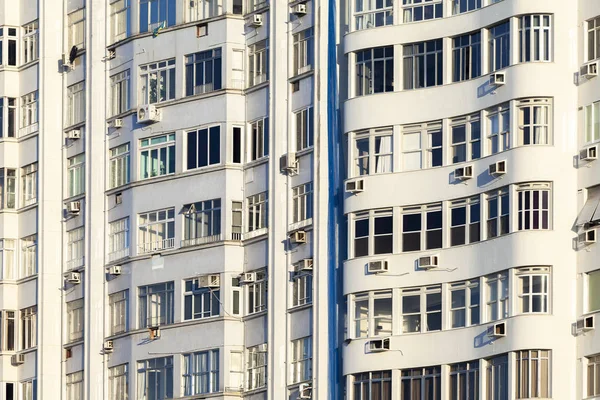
x,y
156,246
201,240
117,255
75,263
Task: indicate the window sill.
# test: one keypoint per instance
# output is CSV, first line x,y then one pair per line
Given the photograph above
x,y
256,315
301,76
255,234
78,342
28,207
296,385
299,225
77,125
29,64
27,351
306,306
305,151
257,87
257,162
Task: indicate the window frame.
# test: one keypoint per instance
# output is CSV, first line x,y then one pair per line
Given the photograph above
x,y
498,140
198,65
152,225
498,223
162,369
29,178
430,146
472,141
304,128
120,85
203,147
368,322
302,202
375,156
374,71
526,294
194,372
499,42
472,221
120,171
163,21
525,360
258,63
416,68
425,312
466,56
147,307
257,293
118,382
415,11
301,360
202,222
149,73
76,175
527,207
258,140
535,42
28,327
257,211
365,384
532,131
191,294
118,304
156,144
75,320
498,305
303,51
366,18
471,308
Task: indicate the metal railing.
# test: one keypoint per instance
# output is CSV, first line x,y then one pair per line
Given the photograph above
x,y
156,245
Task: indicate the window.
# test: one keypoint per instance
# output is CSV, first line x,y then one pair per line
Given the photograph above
x,y
75,320
119,312
259,139
499,46
155,14
498,213
466,57
8,330
257,293
75,248
464,381
30,42
157,81
304,128
534,205
75,386
422,309
203,9
421,383
236,220
465,225
257,366
29,184
28,390
414,219
203,72
534,38
302,202
236,370
28,256
252,5
533,289
118,382
155,378
157,156
373,152
423,64
120,20
373,314
258,216
8,113
29,113
304,51
156,230
371,14
593,293
301,366
119,86
375,71
375,385
498,122
466,138
76,104
118,239
76,175
415,10
534,121
461,6
204,147
11,47
119,165
202,222
592,121
302,288
7,259
497,296
28,328
200,302
156,304
593,38
464,303
414,154
533,374
237,145
8,188
380,222
497,378
258,63
593,376
76,33
201,372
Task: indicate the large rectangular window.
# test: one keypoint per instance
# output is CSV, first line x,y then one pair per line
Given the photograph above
x,y
156,304
422,146
258,63
498,123
466,138
203,72
533,374
8,116
30,42
8,188
421,383
7,259
157,82
422,228
497,378
535,38
302,202
371,14
374,71
373,314
497,296
28,256
465,221
157,14
29,184
593,376
499,46
461,6
258,142
593,39
76,175
201,372
118,304
118,239
156,230
304,50
592,122
75,248
301,365
375,385
464,381
155,378
202,222
75,320
464,303
421,309
29,327
423,64
498,213
204,147
8,46
257,207
9,330
534,284
74,384
373,152
76,29
257,293
302,288
120,20
119,165
304,120
119,88
373,232
118,382
534,206
76,104
257,367
29,109
466,57
418,10
157,156
534,121
200,302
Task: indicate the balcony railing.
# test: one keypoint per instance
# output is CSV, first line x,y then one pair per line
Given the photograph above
x,y
155,246
374,19
117,255
201,240
200,89
75,263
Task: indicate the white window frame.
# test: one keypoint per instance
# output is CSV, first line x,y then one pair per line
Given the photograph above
x,y
8,188
425,311
28,256
258,63
367,15
302,288
151,155
258,141
301,363
471,226
201,372
532,216
471,306
29,109
76,175
368,319
28,388
75,320
498,128
76,104
76,29
118,239
429,136
467,374
303,51
535,35
497,295
118,382
410,9
118,304
75,248
161,369
198,302
210,63
202,154
257,293
202,222
156,230
29,184
593,372
496,41
378,242
427,380
119,158
379,155
302,202
8,261
537,130
120,20
528,385
152,299
30,42
466,56
304,123
372,385
593,43
120,92
497,217
257,208
150,74
28,328
427,240
202,9
471,141
8,115
531,302
74,385
256,372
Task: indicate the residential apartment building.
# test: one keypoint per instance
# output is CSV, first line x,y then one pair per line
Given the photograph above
x,y
369,200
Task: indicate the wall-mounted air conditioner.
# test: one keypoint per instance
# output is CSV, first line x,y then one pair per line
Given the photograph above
x,y
115,270
147,114
428,262
464,173
73,277
497,78
74,134
210,281
377,267
288,163
298,237
108,346
305,265
355,186
586,324
256,20
305,391
248,277
497,168
497,330
378,345
74,207
589,70
116,123
153,332
589,153
299,10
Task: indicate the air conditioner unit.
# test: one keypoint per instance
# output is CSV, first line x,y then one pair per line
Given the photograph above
x,y
497,330
305,391
428,262
115,270
74,134
585,324
262,348
589,153
248,277
377,267
66,63
497,168
288,163
74,207
73,277
589,70
18,359
111,54
298,237
256,20
355,186
210,281
305,265
378,345
589,236
108,346
463,173
299,9
116,123
497,79
153,332
147,114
